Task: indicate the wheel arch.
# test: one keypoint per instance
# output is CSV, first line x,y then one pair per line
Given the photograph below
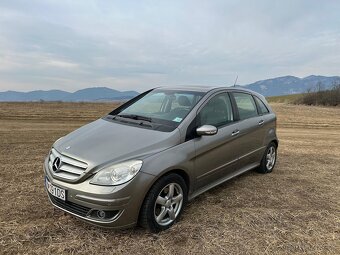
x,y
276,141
178,171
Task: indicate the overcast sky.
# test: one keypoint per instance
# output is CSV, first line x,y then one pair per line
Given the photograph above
x,y
135,45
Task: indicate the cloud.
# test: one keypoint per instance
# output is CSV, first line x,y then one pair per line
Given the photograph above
x,y
141,44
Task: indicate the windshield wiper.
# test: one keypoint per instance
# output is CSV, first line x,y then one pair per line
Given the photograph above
x,y
135,117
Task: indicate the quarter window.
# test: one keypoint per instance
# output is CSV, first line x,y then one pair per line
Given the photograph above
x,y
246,105
217,111
261,105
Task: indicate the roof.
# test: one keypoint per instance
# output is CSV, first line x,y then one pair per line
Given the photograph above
x,y
203,88
188,88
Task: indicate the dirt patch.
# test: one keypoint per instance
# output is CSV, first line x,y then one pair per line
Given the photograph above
x,y
293,210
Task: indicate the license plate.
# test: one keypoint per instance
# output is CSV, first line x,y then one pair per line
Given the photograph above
x,y
55,191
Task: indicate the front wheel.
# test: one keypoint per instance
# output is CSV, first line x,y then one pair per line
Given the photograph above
x,y
164,203
269,159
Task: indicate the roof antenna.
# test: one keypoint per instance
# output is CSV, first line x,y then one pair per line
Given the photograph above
x,y
235,80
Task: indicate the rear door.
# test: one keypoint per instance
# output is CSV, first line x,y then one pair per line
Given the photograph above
x,y
251,126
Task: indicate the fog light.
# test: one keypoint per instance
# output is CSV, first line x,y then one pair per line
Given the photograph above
x,y
101,214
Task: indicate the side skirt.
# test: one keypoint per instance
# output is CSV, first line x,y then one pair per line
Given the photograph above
x,y
222,180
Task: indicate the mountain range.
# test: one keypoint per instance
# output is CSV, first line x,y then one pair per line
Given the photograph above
x,y
83,95
292,85
271,87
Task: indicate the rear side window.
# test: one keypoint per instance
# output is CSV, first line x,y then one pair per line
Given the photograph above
x,y
246,105
217,111
262,106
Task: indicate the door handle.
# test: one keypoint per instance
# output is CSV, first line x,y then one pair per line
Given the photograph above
x,y
235,132
261,122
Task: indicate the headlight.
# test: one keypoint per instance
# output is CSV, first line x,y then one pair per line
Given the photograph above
x,y
58,139
117,174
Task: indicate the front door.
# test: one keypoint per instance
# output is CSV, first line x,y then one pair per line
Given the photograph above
x,y
216,155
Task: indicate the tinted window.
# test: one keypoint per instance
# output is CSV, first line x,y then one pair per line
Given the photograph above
x,y
246,105
216,112
261,105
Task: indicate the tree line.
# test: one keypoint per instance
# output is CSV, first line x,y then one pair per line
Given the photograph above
x,y
319,96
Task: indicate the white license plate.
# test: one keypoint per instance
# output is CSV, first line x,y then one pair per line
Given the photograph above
x,y
55,191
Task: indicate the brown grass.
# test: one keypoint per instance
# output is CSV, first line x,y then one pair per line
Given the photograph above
x,y
293,210
284,99
330,97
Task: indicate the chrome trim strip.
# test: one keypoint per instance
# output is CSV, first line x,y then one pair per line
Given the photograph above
x,y
222,180
217,168
66,175
70,169
73,162
228,163
248,154
85,218
102,201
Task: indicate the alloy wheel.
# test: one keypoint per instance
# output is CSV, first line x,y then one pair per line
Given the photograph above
x,y
168,204
270,158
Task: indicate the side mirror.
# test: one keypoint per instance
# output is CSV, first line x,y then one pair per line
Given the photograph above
x,y
206,130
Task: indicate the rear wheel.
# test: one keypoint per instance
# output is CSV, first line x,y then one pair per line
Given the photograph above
x,y
164,203
269,159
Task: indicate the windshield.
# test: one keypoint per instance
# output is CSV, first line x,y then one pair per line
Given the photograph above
x,y
160,106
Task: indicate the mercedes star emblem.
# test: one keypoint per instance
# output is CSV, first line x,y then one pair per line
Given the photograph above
x,y
56,164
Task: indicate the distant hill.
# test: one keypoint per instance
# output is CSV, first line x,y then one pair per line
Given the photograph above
x,y
89,94
287,85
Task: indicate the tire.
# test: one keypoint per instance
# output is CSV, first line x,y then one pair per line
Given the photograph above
x,y
164,203
269,159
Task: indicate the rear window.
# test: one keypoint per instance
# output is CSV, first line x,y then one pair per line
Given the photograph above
x,y
246,105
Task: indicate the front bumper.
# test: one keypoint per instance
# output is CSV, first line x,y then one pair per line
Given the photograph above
x,y
121,203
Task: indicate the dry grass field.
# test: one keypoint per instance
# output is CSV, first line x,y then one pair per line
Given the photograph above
x,y
294,210
285,98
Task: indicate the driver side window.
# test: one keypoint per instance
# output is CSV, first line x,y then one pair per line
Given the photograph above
x,y
217,112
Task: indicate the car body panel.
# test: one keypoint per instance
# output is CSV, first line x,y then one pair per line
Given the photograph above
x,y
250,141
215,155
103,142
126,198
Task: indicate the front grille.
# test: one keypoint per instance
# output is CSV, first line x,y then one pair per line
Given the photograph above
x,y
70,207
69,169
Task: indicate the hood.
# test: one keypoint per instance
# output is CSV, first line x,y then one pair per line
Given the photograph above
x,y
102,142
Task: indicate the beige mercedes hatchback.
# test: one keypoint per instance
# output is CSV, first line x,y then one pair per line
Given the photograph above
x,y
143,162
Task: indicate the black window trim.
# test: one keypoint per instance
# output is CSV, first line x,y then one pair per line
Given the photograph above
x,y
128,103
234,106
